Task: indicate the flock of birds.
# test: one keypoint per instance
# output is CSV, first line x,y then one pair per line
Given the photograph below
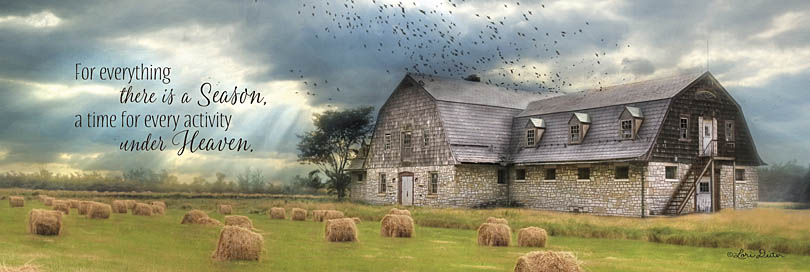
x,y
449,40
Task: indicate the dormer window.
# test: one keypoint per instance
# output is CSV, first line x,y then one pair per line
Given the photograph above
x,y
629,122
578,127
534,131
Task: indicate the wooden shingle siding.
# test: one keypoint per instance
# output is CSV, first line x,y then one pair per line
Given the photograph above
x,y
669,148
409,107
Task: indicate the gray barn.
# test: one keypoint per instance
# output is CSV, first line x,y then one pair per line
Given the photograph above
x,y
659,147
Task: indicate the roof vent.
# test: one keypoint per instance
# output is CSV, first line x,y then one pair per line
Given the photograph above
x,y
473,78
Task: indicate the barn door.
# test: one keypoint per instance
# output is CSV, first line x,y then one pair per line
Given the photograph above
x,y
704,195
707,136
407,190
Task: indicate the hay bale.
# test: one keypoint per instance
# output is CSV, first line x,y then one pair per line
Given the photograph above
x,y
317,215
332,214
394,225
99,210
142,209
23,268
48,201
119,206
278,213
84,206
494,220
42,198
357,220
399,212
44,222
237,243
158,210
62,206
158,203
130,203
547,261
16,201
532,237
491,234
299,214
341,230
239,221
225,209
198,217
74,204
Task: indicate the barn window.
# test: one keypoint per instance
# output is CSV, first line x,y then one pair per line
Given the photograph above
x,y
671,172
406,139
520,174
584,173
530,137
551,174
684,128
729,130
575,134
627,129
622,172
360,176
433,186
704,187
534,131
502,176
387,141
426,137
739,174
382,186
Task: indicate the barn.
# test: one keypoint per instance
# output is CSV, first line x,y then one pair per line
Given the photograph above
x,y
666,146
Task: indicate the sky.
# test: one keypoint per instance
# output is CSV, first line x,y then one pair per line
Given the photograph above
x,y
307,57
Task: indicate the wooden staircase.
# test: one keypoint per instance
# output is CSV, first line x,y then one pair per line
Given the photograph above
x,y
687,186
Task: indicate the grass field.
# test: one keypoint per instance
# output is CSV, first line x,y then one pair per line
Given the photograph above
x,y
133,243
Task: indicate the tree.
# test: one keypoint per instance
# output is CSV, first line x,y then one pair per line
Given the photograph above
x,y
311,183
330,146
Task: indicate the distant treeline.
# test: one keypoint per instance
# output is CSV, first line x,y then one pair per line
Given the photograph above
x,y
784,182
139,180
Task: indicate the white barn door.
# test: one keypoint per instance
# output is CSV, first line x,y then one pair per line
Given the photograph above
x,y
407,190
704,195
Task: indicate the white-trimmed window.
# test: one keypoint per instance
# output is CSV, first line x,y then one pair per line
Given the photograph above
x,y
426,137
729,130
381,188
575,136
551,174
684,129
671,172
530,137
622,172
583,173
387,141
520,174
627,129
433,185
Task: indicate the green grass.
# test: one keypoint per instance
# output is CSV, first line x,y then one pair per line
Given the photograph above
x,y
133,243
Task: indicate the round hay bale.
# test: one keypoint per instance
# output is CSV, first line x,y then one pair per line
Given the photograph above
x,y
341,230
119,206
494,220
99,210
239,221
332,214
299,214
237,243
84,206
394,225
44,222
399,212
547,261
317,215
199,217
225,209
74,204
532,237
16,201
130,203
158,203
278,213
62,206
158,210
490,234
357,220
49,201
142,209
